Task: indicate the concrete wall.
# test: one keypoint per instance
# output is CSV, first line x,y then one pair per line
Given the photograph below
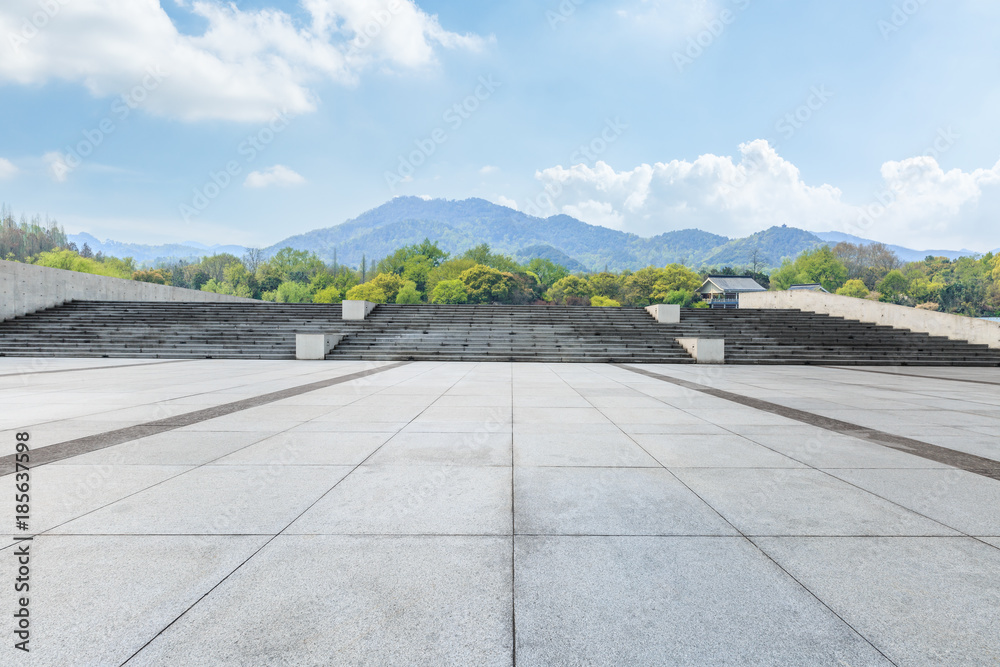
x,y
955,327
26,288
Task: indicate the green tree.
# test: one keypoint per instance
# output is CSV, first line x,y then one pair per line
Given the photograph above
x,y
487,284
327,295
547,271
571,289
855,288
450,291
481,254
293,292
409,294
367,292
389,284
606,284
449,270
599,301
892,286
819,265
296,265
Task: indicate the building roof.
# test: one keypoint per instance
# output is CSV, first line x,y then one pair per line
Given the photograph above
x,y
730,284
813,287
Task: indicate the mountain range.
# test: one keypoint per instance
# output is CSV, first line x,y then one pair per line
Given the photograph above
x,y
459,225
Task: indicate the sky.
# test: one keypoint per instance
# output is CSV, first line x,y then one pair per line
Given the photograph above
x,y
246,122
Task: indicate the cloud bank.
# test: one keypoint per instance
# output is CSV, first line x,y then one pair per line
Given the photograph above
x,y
242,67
917,203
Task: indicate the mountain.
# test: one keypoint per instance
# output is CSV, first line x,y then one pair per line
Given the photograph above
x,y
905,254
459,225
149,254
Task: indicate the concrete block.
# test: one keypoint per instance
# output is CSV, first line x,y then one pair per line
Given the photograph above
x,y
315,346
356,310
705,350
665,313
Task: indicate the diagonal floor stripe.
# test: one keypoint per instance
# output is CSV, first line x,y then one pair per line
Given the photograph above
x,y
92,443
968,462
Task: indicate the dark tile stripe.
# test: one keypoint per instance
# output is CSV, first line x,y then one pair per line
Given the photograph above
x,y
968,462
98,368
92,443
913,375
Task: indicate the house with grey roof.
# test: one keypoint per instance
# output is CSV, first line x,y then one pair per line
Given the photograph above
x,y
724,291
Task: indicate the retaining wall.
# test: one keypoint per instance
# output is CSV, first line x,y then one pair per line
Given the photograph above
x,y
26,288
950,326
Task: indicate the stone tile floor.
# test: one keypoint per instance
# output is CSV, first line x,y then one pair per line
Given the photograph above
x,y
480,514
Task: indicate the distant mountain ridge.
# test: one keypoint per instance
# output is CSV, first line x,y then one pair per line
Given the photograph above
x,y
457,225
143,253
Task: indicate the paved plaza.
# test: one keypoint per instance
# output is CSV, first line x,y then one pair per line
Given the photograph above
x,y
214,512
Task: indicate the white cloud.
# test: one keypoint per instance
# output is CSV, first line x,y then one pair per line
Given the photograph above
x,y
278,175
57,167
489,169
7,169
505,201
244,66
916,204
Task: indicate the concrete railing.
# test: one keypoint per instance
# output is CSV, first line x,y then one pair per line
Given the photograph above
x,y
950,326
26,288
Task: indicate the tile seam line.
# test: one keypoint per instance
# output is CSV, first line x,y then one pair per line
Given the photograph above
x,y
271,538
740,534
91,443
99,368
963,461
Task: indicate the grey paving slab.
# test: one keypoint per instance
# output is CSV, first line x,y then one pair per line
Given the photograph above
x,y
407,601
170,448
609,448
684,450
96,602
669,601
995,541
309,448
477,449
965,501
922,601
409,500
609,501
801,502
60,493
220,500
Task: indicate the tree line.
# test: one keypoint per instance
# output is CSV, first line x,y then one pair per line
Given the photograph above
x,y
423,273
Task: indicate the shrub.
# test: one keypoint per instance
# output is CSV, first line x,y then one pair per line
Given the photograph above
x,y
450,291
855,288
367,292
603,302
327,295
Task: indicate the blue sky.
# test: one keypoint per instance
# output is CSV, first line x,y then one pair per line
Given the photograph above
x,y
877,118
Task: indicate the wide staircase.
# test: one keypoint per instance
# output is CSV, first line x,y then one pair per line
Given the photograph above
x,y
469,333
